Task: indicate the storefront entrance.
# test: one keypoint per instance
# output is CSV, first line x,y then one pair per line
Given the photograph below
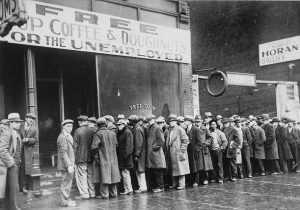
x,y
66,88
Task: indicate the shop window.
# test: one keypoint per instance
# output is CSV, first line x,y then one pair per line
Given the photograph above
x,y
156,18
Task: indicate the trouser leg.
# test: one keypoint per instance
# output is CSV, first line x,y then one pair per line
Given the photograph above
x,y
12,188
282,161
246,160
91,186
233,168
126,180
22,176
181,181
175,181
65,186
141,180
104,190
113,190
260,166
239,170
81,179
159,178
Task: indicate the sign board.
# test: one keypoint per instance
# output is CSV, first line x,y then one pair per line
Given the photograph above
x,y
241,79
12,12
195,91
279,51
67,28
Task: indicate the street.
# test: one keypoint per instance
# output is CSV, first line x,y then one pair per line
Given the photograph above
x,y
268,192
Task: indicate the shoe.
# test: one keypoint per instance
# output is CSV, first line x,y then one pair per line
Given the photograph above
x,y
274,173
157,190
263,174
69,204
220,181
126,193
233,179
180,188
140,191
194,185
241,177
205,182
24,190
249,176
81,198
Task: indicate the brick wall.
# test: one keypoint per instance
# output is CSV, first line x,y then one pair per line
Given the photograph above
x,y
226,35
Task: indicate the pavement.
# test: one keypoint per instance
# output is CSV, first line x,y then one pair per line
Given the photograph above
x,y
263,192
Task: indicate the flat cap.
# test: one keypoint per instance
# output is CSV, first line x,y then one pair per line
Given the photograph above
x,y
82,118
92,119
275,119
122,121
198,118
225,120
243,119
67,121
189,118
172,117
134,118
208,114
109,118
160,120
150,117
31,115
121,116
219,117
289,120
179,118
231,119
265,116
4,122
101,121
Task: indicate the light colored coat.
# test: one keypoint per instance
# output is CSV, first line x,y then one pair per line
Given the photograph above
x,y
177,142
66,154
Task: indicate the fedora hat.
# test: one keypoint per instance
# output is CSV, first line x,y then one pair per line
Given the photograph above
x,y
82,118
207,114
225,120
198,118
92,119
122,121
14,117
67,121
180,119
219,117
160,120
172,117
109,118
31,115
101,121
275,119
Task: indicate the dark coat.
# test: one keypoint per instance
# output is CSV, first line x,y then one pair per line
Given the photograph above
x,y
233,139
113,128
271,149
177,147
259,138
194,136
27,149
125,148
155,155
247,139
8,148
203,157
66,154
139,150
281,138
83,137
105,164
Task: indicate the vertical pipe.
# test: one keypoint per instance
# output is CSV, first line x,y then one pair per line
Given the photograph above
x,y
98,83
61,97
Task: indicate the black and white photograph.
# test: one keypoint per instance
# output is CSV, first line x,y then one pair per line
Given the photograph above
x,y
149,104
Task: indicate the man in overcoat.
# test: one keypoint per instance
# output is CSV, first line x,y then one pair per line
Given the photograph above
x,y
194,136
284,151
271,149
155,159
29,135
83,137
293,138
110,123
105,165
177,142
124,151
10,157
258,138
247,147
66,162
139,153
92,123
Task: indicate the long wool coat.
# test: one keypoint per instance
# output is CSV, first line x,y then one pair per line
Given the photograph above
x,y
194,137
139,151
66,154
125,148
203,157
177,142
258,138
234,141
247,139
271,148
105,165
155,155
83,137
281,138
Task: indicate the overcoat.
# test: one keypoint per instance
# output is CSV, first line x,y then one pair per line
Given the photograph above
x,y
203,157
194,137
155,140
139,151
27,148
113,128
271,149
258,138
281,138
234,141
105,164
83,137
125,148
66,154
177,142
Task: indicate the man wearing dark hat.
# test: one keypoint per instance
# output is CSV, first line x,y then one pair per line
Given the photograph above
x,y
110,123
139,152
155,159
105,165
29,132
83,137
66,162
247,147
284,151
124,151
10,157
198,121
271,149
92,123
238,126
293,138
207,118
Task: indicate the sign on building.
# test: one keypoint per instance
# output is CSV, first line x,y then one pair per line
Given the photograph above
x,y
195,87
67,28
241,79
279,51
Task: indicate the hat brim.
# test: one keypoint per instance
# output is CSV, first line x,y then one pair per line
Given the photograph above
x,y
15,120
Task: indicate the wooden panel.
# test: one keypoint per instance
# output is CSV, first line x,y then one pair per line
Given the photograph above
x,y
164,5
156,18
78,4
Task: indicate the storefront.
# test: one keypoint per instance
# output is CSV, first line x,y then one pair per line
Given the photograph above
x,y
66,62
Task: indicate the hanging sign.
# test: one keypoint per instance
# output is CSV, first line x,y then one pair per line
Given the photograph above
x,y
241,79
61,27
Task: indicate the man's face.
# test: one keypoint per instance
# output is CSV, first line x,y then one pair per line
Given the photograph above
x,y
226,125
15,125
265,121
68,127
290,124
29,120
213,125
238,124
82,123
121,126
219,122
161,124
275,124
198,124
91,124
187,122
173,123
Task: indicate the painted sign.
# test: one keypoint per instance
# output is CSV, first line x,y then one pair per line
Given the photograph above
x,y
279,51
241,79
142,106
195,90
61,27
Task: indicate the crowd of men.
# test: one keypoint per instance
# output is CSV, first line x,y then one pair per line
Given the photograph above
x,y
137,154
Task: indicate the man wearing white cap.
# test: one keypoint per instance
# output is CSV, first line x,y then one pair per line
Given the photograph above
x,y
66,162
10,157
